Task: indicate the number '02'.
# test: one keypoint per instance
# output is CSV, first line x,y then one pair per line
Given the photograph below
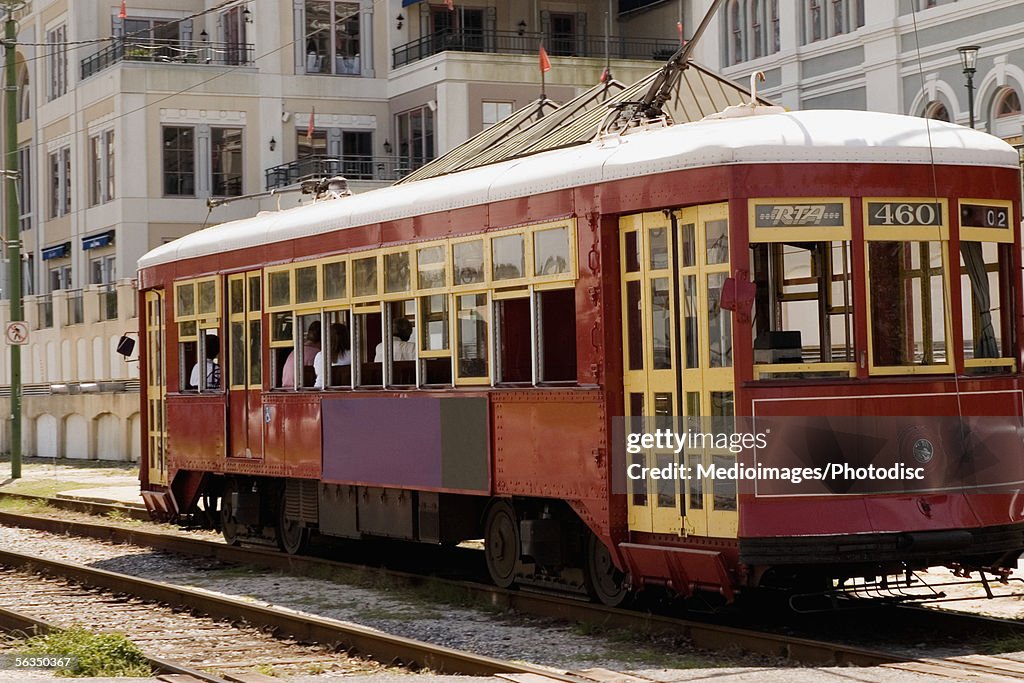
x,y
906,214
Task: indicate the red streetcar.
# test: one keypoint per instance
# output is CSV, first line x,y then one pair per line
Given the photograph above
x,y
445,359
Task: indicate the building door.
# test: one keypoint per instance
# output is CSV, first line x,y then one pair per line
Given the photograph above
x,y
650,363
156,389
245,370
710,505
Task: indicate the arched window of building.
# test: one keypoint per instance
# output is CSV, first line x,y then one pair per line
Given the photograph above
x,y
24,96
757,28
1006,114
815,17
735,30
775,35
937,111
1007,103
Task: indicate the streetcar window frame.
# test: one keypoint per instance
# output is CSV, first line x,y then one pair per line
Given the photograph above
x,y
194,321
911,228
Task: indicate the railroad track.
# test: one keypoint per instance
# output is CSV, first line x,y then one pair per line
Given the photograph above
x,y
173,641
707,636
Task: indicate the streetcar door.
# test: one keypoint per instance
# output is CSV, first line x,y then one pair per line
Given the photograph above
x,y
651,357
710,505
156,389
245,365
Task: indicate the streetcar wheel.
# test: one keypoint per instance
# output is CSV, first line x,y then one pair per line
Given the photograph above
x,y
604,580
501,544
292,535
228,527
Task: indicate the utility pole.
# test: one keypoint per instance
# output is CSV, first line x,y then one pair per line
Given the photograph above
x,y
13,228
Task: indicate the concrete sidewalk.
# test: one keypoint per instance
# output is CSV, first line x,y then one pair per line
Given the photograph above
x,y
91,480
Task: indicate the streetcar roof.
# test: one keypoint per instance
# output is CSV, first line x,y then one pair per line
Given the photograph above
x,y
826,136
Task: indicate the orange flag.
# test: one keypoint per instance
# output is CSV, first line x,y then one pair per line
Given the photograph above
x,y
545,63
123,14
309,130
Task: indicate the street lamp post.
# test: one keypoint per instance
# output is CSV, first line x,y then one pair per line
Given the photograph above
x,y
969,60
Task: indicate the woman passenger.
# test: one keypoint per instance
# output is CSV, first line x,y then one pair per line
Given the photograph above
x,y
339,342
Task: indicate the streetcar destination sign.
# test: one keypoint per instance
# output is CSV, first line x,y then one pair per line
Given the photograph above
x,y
823,215
905,214
984,216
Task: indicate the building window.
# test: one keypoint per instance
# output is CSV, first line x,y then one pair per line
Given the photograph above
x,y
332,37
60,182
28,275
563,34
1007,103
235,35
57,62
179,161
25,187
226,161
101,168
495,111
24,97
735,29
936,111
415,130
60,277
776,34
102,270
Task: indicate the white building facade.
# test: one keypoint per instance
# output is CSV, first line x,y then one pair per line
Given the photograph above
x,y
127,125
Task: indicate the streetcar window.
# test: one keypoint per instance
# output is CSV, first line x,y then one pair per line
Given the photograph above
x,y
803,305
430,264
435,359
280,288
236,295
551,251
634,325
472,342
185,298
396,272
364,276
514,358
984,271
556,335
717,236
311,327
204,369
719,321
468,258
401,356
907,318
334,280
508,257
367,336
305,285
236,338
334,368
281,335
723,488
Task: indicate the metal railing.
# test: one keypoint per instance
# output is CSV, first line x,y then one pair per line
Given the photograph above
x,y
514,43
353,167
75,314
45,311
108,302
168,52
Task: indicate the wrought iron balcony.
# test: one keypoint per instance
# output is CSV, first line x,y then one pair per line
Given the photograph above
x,y
353,167
515,43
168,52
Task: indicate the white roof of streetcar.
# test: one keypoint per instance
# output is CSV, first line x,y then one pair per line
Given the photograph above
x,y
827,136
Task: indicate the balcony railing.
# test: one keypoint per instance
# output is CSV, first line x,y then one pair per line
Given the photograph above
x,y
514,43
75,314
168,52
108,302
45,312
353,167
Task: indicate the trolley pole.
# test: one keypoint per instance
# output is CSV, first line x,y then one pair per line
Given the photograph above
x,y
13,236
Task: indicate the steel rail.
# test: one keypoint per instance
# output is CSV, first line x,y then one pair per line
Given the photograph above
x,y
16,622
703,635
375,644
